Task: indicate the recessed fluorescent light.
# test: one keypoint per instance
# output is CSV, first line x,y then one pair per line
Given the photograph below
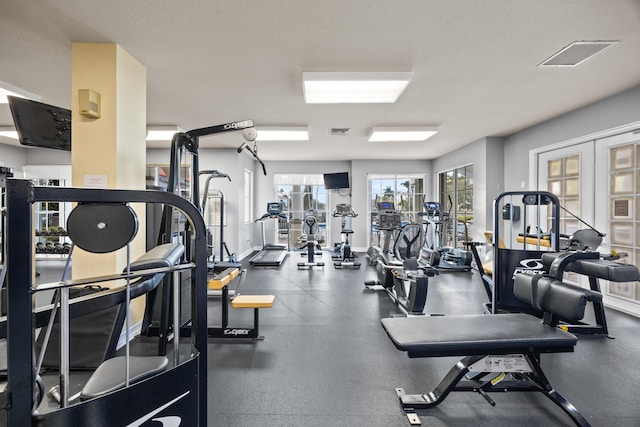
x,y
347,87
282,134
576,53
162,133
7,89
9,132
402,133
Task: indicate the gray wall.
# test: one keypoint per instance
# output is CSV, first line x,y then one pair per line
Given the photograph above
x,y
358,170
237,235
608,113
13,157
265,192
486,155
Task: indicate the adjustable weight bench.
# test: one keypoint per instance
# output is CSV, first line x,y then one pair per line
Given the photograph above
x,y
501,352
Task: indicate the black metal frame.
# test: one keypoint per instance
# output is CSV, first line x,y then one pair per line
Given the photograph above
x,y
18,397
557,269
502,297
525,381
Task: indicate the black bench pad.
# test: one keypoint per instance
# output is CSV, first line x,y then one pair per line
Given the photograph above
x,y
476,335
110,375
161,256
598,268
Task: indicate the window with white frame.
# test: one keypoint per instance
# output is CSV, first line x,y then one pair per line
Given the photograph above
x,y
456,198
405,191
302,194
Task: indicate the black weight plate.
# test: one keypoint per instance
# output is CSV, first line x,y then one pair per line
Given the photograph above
x,y
102,227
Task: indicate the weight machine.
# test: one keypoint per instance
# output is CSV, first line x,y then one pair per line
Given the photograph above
x,y
232,260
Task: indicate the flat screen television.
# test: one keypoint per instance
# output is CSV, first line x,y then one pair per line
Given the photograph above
x,y
41,125
333,181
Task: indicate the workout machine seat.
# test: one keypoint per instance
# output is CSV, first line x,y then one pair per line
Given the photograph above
x,y
595,267
111,374
440,336
223,279
253,301
220,283
107,377
589,264
504,339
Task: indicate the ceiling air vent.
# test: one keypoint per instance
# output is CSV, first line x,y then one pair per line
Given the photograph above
x,y
575,53
339,131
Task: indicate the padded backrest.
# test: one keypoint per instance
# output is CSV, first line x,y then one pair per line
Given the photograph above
x,y
409,241
594,266
310,225
161,256
565,300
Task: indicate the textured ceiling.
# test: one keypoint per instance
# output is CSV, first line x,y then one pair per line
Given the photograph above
x,y
210,62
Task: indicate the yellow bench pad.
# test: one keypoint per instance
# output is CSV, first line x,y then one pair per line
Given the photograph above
x,y
253,301
220,282
534,241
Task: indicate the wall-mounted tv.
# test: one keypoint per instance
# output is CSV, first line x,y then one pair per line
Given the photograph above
x,y
41,125
333,181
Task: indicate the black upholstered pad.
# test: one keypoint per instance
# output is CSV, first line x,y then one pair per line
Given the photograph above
x,y
599,268
476,335
110,375
162,256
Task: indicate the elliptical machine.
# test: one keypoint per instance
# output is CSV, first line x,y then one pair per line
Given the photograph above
x,y
399,273
310,227
444,258
342,254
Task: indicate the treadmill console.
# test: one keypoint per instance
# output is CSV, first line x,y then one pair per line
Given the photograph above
x,y
275,208
385,206
388,217
432,208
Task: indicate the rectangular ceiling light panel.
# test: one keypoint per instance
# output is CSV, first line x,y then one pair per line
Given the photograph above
x,y
298,133
576,53
162,133
356,88
402,134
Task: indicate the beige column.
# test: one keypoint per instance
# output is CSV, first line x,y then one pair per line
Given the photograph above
x,y
109,151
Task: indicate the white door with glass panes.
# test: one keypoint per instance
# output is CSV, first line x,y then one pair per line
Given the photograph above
x,y
618,188
569,174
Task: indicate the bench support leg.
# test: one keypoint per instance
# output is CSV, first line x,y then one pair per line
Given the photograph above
x,y
453,381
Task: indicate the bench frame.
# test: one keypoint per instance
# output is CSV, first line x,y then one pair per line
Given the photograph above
x,y
224,330
454,380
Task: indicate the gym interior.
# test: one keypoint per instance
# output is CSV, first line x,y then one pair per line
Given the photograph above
x,y
225,242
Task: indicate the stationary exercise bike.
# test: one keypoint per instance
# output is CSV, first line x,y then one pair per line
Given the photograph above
x,y
309,240
342,254
444,258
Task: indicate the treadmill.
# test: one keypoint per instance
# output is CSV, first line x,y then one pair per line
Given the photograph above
x,y
272,255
